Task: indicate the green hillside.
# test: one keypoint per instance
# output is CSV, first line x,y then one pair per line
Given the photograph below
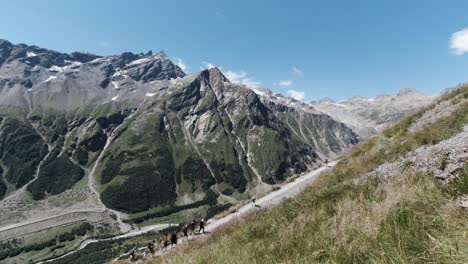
x,y
411,217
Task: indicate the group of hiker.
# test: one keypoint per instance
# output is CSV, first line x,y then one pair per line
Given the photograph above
x,y
191,228
169,240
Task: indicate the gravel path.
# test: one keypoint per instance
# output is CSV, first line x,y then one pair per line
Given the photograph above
x,y
287,191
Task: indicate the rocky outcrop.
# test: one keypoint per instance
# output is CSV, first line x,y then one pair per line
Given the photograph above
x,y
444,160
441,110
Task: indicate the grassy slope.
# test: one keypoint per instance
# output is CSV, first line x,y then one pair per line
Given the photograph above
x,y
410,218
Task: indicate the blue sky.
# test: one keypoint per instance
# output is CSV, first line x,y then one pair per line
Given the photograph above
x,y
319,49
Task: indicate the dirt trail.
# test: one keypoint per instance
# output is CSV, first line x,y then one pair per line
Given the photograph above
x,y
274,198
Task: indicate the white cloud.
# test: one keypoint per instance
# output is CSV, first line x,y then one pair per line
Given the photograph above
x,y
251,83
285,83
241,77
238,77
298,95
207,65
459,42
181,63
296,71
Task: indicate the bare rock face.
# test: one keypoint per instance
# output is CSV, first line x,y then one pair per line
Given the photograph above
x,y
368,116
307,123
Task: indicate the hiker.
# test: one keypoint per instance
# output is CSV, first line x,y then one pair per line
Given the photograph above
x,y
253,201
165,241
185,230
173,239
202,226
192,227
326,162
131,257
151,247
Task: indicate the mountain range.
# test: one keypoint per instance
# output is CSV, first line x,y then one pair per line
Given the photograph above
x,y
141,134
94,146
368,116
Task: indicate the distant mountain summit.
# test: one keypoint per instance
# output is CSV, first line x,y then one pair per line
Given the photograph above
x,y
33,76
368,116
365,116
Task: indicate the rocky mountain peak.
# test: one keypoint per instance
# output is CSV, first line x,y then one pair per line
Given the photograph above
x,y
83,57
5,45
216,75
5,49
161,55
128,68
5,42
406,91
356,99
327,100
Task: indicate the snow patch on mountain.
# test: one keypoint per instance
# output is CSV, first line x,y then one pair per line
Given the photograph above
x,y
139,61
116,85
50,79
55,68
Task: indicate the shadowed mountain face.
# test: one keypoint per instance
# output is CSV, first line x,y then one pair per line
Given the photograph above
x,y
368,116
150,135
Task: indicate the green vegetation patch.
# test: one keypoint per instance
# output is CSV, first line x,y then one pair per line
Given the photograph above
x,y
15,247
21,150
3,187
55,177
210,199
